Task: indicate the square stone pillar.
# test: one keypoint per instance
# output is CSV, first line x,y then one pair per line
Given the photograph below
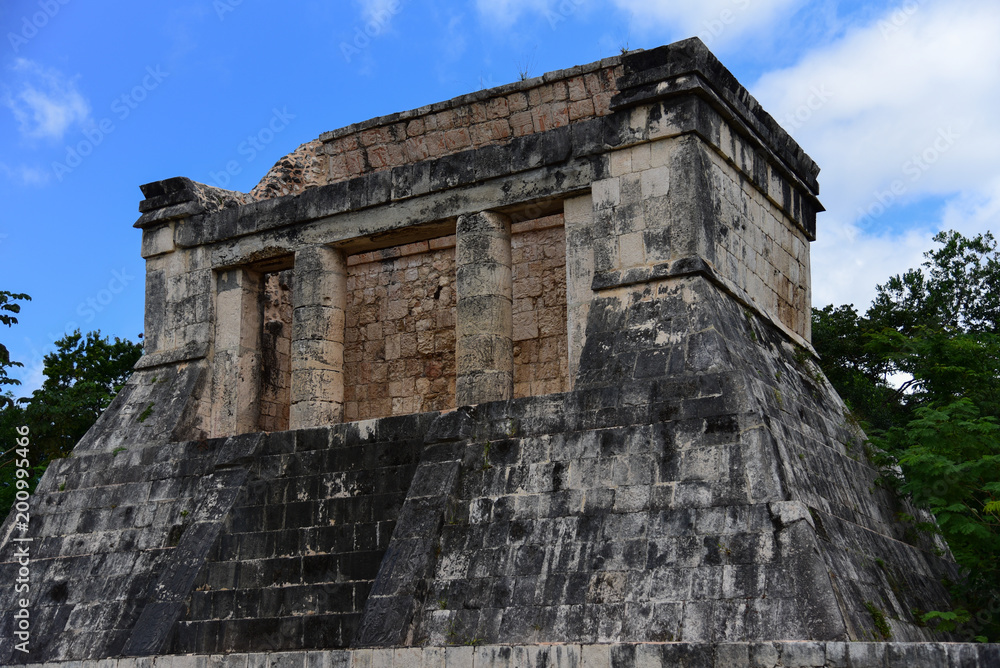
x,y
484,345
319,300
236,362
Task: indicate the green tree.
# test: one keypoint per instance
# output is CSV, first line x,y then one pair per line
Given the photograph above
x,y
955,289
8,305
921,369
860,375
82,376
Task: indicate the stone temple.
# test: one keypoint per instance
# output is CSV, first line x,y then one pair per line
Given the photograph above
x,y
522,378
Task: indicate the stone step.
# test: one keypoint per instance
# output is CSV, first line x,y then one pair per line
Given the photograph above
x,y
278,601
153,517
266,634
282,571
142,464
322,512
303,541
322,482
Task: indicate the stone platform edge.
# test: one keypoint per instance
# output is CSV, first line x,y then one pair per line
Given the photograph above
x,y
779,654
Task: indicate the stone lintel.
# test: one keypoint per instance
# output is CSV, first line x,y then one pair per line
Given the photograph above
x,y
193,350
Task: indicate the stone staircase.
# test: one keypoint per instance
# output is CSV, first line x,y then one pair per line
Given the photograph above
x,y
256,542
103,526
302,546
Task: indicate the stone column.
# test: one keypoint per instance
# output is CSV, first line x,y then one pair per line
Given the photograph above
x,y
236,363
484,344
319,300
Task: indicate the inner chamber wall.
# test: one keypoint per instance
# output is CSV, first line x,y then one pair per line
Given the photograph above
x,y
399,339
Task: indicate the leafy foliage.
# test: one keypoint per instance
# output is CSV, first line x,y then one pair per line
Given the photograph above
x,y
841,335
8,305
921,370
956,289
82,376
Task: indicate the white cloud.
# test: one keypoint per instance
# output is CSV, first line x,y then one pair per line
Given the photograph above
x,y
847,267
899,111
715,21
505,12
33,379
44,102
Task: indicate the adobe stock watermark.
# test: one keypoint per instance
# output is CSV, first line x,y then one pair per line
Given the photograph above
x,y
913,169
899,17
816,100
251,147
31,25
372,29
562,12
91,306
122,107
718,25
223,7
22,544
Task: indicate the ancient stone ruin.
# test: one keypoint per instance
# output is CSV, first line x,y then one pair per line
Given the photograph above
x,y
522,378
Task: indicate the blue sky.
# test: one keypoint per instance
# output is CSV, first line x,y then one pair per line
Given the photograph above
x,y
894,100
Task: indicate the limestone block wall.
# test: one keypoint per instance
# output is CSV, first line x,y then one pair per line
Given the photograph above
x,y
648,217
399,354
639,224
473,121
179,290
486,118
541,355
400,324
758,247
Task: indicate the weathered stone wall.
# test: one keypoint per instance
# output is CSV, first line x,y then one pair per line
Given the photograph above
x,y
660,507
400,335
753,247
541,354
468,122
399,355
472,121
758,247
